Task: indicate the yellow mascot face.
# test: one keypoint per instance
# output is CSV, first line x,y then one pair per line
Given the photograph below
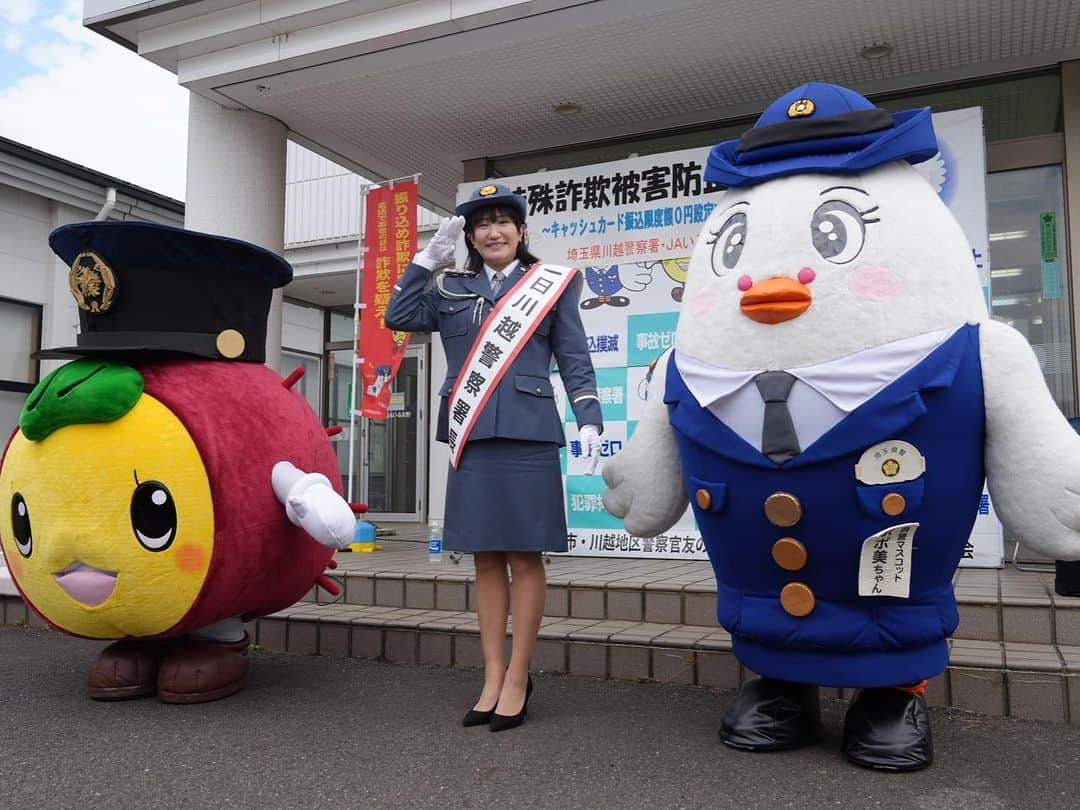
x,y
106,518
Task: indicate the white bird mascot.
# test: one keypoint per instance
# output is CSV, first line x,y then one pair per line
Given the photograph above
x,y
834,399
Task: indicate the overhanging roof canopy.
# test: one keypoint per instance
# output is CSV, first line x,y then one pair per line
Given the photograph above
x,y
393,88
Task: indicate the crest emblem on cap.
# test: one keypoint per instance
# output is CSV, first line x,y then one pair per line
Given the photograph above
x,y
800,108
487,191
92,282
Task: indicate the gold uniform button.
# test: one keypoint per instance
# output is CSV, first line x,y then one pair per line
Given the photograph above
x,y
789,553
230,343
797,599
704,499
783,509
893,504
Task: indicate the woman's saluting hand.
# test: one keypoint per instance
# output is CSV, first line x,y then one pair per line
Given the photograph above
x,y
439,251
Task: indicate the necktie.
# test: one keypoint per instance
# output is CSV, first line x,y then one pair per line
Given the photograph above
x,y
496,283
778,438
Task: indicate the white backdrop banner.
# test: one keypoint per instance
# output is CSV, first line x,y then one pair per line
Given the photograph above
x,y
631,226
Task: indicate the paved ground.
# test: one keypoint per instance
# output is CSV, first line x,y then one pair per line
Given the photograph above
x,y
332,732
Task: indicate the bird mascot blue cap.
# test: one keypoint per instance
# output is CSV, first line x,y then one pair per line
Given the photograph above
x,y
821,127
491,194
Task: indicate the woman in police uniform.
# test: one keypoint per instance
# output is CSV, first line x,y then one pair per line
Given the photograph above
x,y
504,499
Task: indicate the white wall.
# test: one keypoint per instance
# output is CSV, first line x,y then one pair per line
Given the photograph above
x,y
322,200
302,328
29,271
24,249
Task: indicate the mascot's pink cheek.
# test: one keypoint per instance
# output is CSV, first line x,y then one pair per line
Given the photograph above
x,y
702,303
874,283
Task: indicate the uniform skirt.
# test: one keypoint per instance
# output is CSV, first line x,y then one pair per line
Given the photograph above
x,y
506,495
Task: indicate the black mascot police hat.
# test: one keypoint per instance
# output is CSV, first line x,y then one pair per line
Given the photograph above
x,y
147,287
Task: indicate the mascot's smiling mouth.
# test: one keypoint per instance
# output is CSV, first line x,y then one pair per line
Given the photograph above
x,y
85,584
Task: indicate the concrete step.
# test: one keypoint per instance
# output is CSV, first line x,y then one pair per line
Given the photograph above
x,y
1032,681
995,605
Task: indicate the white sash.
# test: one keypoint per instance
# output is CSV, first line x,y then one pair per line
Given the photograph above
x,y
503,335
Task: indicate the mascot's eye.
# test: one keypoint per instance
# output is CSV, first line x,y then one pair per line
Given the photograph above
x,y
838,231
728,243
20,521
153,515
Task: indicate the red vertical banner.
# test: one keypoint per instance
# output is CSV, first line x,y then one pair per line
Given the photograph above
x,y
390,243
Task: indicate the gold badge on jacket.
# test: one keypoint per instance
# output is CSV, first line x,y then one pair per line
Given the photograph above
x,y
92,282
891,462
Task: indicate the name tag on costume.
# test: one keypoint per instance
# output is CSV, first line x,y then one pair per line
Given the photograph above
x,y
885,562
505,332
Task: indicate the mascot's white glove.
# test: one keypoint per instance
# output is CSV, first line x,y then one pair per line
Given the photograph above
x,y
439,252
311,503
590,446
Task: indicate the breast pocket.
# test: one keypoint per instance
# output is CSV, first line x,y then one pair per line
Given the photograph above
x,y
708,496
891,500
454,317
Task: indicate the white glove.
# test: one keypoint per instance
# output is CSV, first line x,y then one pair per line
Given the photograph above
x,y
590,446
311,503
439,252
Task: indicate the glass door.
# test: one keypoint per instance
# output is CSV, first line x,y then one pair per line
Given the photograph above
x,y
1029,276
394,453
389,455
1029,282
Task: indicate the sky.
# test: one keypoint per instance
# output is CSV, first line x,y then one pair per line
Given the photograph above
x,y
75,94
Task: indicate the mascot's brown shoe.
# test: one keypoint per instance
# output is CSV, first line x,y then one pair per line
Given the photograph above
x,y
772,715
126,669
888,730
199,671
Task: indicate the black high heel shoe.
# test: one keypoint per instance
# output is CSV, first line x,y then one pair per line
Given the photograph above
x,y
503,722
474,718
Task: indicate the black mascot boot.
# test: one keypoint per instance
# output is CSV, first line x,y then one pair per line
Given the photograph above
x,y
772,715
888,730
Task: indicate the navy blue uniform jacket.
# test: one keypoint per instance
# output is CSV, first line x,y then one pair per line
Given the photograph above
x,y
846,640
523,405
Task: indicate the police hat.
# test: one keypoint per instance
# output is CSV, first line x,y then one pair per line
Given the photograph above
x,y
146,287
491,194
821,127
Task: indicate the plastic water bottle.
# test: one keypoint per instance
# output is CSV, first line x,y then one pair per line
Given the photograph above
x,y
434,543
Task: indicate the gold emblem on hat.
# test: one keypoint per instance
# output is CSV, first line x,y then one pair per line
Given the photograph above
x,y
92,282
230,343
800,108
487,191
